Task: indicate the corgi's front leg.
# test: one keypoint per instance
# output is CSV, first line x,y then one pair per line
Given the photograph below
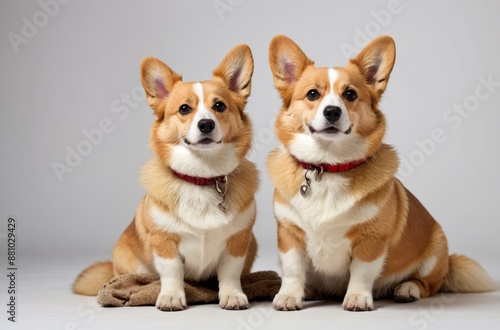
x,y
359,291
170,267
231,265
292,251
231,295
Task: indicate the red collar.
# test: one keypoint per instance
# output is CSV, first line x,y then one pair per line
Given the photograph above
x,y
331,167
200,181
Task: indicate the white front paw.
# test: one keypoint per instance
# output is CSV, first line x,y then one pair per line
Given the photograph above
x,y
287,302
233,300
358,302
171,302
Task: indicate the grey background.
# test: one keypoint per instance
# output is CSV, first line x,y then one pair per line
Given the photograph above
x,y
83,63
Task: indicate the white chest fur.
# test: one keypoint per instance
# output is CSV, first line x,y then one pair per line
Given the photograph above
x,y
201,253
325,215
196,209
203,228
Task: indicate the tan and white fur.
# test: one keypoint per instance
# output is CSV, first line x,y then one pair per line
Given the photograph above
x,y
179,231
358,233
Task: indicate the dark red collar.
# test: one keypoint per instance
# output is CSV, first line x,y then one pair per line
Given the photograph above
x,y
199,181
331,167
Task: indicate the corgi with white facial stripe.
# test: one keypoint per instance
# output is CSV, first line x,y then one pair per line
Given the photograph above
x,y
346,225
196,219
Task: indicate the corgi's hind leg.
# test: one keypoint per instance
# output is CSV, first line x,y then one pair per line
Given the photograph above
x,y
407,291
251,254
125,255
425,282
431,270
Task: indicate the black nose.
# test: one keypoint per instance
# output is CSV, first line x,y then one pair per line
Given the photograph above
x,y
332,113
206,125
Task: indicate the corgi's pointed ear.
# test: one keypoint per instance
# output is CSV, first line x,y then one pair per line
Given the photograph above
x,y
236,70
158,80
287,63
376,61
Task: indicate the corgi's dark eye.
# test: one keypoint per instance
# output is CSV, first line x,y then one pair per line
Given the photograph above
x,y
219,106
185,109
312,95
350,95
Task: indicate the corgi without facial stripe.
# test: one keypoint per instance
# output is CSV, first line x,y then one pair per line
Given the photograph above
x,y
196,219
346,225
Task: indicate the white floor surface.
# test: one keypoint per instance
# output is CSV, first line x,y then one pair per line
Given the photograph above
x,y
44,301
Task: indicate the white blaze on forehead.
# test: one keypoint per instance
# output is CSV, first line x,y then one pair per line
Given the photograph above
x,y
333,75
198,90
202,110
331,98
